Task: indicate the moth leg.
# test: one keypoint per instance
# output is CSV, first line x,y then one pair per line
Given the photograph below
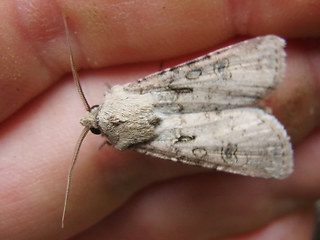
x,y
105,143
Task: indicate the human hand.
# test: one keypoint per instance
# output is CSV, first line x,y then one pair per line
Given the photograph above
x,y
126,195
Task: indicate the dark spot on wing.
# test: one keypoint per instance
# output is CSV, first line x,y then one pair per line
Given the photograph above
x,y
229,153
155,121
192,62
199,152
181,90
185,138
173,68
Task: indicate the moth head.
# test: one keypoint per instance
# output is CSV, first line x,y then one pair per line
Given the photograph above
x,y
90,120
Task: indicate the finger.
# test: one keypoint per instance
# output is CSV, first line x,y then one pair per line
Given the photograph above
x,y
105,180
39,151
296,101
90,174
36,149
222,205
200,211
106,36
298,187
296,225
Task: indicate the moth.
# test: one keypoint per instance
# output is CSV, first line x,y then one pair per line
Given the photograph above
x,y
205,112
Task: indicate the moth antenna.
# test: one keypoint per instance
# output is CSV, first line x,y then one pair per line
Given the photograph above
x,y
84,131
74,159
73,68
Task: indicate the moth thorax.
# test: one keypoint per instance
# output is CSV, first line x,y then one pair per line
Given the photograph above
x,y
127,119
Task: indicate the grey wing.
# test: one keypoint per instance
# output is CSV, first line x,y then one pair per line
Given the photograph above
x,y
246,141
234,76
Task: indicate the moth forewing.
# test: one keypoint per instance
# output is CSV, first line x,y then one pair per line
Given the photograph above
x,y
235,76
246,141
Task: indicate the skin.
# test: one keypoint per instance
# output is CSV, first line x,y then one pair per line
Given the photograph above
x,y
126,195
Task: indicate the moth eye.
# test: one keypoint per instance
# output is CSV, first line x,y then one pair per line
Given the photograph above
x,y
93,107
95,131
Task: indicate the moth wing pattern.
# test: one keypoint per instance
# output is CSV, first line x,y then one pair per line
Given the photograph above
x,y
246,141
205,112
235,76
